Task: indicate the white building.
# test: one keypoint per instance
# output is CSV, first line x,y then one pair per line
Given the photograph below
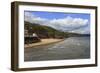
x,y
35,35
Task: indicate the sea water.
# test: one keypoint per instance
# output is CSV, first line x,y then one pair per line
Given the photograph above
x,y
70,48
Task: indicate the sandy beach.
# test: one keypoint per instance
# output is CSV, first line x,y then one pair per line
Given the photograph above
x,y
43,42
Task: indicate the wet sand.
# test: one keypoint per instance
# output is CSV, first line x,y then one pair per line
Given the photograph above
x,y
43,42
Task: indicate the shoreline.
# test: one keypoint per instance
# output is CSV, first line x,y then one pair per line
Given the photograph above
x,y
43,42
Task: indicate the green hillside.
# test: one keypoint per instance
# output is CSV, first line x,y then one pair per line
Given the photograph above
x,y
44,31
49,32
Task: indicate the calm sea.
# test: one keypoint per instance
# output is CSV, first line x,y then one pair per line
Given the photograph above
x,y
70,48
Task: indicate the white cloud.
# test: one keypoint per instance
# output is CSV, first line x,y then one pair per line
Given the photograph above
x,y
30,17
70,22
66,24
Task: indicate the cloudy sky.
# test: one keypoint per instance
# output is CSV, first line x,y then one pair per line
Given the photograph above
x,y
68,22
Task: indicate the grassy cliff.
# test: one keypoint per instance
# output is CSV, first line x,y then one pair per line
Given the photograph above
x,y
49,32
44,31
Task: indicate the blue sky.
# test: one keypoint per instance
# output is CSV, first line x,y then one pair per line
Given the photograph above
x,y
59,15
69,22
